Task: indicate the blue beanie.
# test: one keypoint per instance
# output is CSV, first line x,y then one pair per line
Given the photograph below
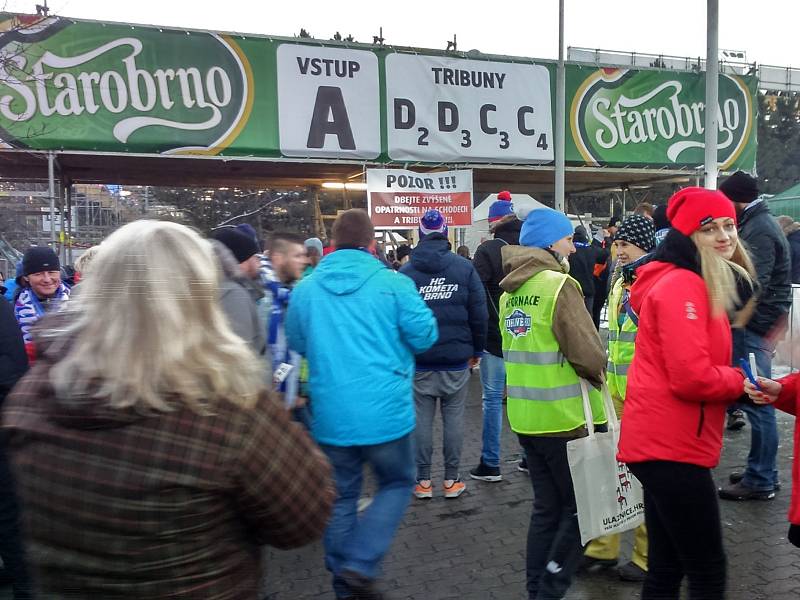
x,y
432,222
247,229
502,207
543,227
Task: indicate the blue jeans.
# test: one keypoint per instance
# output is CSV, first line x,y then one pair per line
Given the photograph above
x,y
761,473
358,544
493,379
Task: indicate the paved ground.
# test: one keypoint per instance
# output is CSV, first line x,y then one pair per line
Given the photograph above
x,y
473,547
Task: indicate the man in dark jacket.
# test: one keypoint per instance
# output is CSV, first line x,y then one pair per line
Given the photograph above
x,y
582,264
488,263
239,294
13,364
771,258
452,289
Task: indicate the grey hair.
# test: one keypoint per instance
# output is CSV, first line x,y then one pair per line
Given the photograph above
x,y
148,330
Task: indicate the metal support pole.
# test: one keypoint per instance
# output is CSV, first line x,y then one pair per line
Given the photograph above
x,y
560,116
51,191
712,93
68,217
62,230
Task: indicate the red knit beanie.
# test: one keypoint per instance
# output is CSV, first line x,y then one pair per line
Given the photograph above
x,y
692,207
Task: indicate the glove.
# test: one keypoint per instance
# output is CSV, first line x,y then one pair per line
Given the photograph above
x,y
794,535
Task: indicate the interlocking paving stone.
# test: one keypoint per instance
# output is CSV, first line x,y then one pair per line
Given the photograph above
x,y
474,547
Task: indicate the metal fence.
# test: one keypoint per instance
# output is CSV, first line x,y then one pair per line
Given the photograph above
x,y
770,77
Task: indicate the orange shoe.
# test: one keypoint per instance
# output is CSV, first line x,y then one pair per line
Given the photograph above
x,y
455,489
422,491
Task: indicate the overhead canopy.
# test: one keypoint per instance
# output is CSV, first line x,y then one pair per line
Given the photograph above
x,y
185,171
787,202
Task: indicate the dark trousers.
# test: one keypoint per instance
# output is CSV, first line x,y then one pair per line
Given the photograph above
x,y
554,541
683,531
600,294
11,549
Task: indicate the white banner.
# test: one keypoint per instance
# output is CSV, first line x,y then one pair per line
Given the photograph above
x,y
328,102
442,109
396,198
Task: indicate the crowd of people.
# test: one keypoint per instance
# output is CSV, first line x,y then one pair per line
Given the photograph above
x,y
188,400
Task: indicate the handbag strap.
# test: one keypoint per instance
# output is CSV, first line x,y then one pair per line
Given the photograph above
x,y
608,408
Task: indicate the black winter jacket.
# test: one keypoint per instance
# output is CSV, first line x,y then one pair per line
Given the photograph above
x,y
582,263
489,265
772,260
451,288
13,360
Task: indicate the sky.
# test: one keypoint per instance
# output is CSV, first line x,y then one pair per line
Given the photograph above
x,y
767,31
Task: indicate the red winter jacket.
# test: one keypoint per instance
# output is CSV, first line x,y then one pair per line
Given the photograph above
x,y
789,401
681,380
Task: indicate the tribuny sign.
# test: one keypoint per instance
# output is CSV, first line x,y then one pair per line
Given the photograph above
x,y
657,117
113,81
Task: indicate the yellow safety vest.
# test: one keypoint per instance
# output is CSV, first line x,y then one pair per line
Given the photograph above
x,y
621,343
544,393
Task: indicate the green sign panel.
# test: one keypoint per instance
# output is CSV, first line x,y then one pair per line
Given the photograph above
x,y
105,87
628,117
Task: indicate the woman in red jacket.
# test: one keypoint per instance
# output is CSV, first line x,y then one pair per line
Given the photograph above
x,y
785,394
679,385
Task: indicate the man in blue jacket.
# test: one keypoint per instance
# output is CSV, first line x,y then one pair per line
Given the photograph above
x,y
360,324
450,286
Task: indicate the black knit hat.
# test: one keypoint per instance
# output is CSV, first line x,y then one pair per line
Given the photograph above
x,y
38,259
740,187
240,244
639,231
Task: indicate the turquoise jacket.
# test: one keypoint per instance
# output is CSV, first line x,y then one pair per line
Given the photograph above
x,y
359,324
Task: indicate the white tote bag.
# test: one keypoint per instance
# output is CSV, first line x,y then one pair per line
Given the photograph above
x,y
608,496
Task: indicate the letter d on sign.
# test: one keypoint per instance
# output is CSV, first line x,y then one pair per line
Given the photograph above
x,y
410,113
448,116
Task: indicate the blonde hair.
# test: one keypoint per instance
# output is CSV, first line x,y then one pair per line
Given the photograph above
x,y
82,262
146,329
720,275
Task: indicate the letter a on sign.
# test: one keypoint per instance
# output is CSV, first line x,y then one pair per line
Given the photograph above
x,y
330,102
329,111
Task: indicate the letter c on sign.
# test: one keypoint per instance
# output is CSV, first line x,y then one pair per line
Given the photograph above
x,y
521,125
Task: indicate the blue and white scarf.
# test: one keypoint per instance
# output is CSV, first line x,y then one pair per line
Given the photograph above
x,y
29,309
276,300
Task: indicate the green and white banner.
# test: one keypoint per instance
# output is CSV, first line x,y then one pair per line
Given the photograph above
x,y
629,117
107,87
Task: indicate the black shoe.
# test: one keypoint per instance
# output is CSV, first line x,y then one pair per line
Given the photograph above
x,y
596,565
522,465
736,420
632,572
739,491
737,476
362,587
484,472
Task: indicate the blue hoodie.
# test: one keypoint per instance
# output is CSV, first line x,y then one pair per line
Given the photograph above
x,y
359,324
